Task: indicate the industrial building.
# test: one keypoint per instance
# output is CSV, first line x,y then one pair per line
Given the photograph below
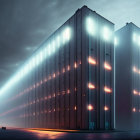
x,y
127,67
68,83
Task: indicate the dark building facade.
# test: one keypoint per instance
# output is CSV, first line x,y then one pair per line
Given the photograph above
x,y
127,67
68,83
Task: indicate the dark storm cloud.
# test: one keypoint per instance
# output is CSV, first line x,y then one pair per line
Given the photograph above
x,y
25,24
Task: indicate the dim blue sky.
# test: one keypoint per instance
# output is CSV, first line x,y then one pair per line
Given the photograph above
x,y
25,24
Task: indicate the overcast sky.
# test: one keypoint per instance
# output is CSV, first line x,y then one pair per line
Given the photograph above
x,y
25,24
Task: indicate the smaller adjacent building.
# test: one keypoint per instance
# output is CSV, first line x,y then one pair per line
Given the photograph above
x,y
127,67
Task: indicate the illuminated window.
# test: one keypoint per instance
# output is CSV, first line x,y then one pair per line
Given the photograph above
x,y
135,69
91,86
108,90
50,77
54,75
68,68
63,70
90,107
54,95
134,109
106,33
135,92
75,108
107,66
91,60
68,91
75,65
90,26
106,108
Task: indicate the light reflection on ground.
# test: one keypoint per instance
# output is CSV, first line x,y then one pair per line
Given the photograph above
x,y
47,134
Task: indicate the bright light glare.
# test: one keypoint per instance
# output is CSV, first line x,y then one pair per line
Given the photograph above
x,y
135,92
53,46
90,26
38,58
91,86
106,108
134,37
91,60
115,41
108,90
66,34
107,33
90,107
58,41
134,109
139,40
107,66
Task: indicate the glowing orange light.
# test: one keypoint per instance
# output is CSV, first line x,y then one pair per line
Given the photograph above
x,y
135,69
91,61
63,70
108,90
75,108
106,108
134,109
135,92
50,77
107,66
68,91
91,86
68,68
54,75
90,107
75,65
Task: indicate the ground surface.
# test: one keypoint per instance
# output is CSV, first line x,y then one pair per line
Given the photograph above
x,y
24,134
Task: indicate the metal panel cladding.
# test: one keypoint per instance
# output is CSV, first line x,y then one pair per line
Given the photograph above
x,y
68,83
127,52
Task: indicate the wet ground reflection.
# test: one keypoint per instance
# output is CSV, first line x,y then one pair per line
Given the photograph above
x,y
28,134
47,134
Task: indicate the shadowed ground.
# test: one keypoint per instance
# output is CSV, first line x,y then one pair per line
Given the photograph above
x,y
26,134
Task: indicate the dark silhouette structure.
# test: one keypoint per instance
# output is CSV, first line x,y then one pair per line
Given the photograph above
x,y
68,83
127,67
